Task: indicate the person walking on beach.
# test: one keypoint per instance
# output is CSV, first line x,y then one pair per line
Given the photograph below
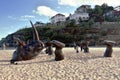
x,y
81,46
76,47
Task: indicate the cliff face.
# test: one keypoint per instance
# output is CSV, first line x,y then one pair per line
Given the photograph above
x,y
112,30
106,30
9,40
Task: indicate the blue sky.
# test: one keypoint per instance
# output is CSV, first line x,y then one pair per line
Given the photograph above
x,y
15,14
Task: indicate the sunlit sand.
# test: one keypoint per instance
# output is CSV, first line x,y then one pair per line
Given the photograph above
x,y
75,66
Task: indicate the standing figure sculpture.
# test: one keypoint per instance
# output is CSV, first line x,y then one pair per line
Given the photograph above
x,y
27,51
85,46
3,46
58,51
109,50
81,46
49,49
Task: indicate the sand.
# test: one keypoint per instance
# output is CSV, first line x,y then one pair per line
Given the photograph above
x,y
75,66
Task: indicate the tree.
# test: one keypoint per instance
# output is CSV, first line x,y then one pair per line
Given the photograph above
x,y
106,8
91,22
71,23
98,10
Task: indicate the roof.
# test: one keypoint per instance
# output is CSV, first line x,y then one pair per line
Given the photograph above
x,y
58,15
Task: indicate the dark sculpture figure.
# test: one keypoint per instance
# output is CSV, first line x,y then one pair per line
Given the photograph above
x,y
27,51
85,46
49,49
81,46
109,50
58,51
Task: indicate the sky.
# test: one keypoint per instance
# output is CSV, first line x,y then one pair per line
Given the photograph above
x,y
15,14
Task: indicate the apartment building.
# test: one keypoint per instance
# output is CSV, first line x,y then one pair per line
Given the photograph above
x,y
58,18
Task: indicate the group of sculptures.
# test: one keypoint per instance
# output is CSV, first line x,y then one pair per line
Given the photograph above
x,y
31,50
83,45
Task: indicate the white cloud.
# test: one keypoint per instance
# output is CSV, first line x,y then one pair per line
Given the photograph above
x,y
69,2
27,16
46,11
22,18
90,2
109,2
11,17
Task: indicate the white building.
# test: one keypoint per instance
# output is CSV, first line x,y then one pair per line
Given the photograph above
x,y
80,13
79,16
58,18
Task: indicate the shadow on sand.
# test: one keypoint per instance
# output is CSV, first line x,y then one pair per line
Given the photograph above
x,y
34,62
86,58
7,62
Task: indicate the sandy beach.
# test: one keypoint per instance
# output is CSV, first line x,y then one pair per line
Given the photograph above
x,y
75,66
